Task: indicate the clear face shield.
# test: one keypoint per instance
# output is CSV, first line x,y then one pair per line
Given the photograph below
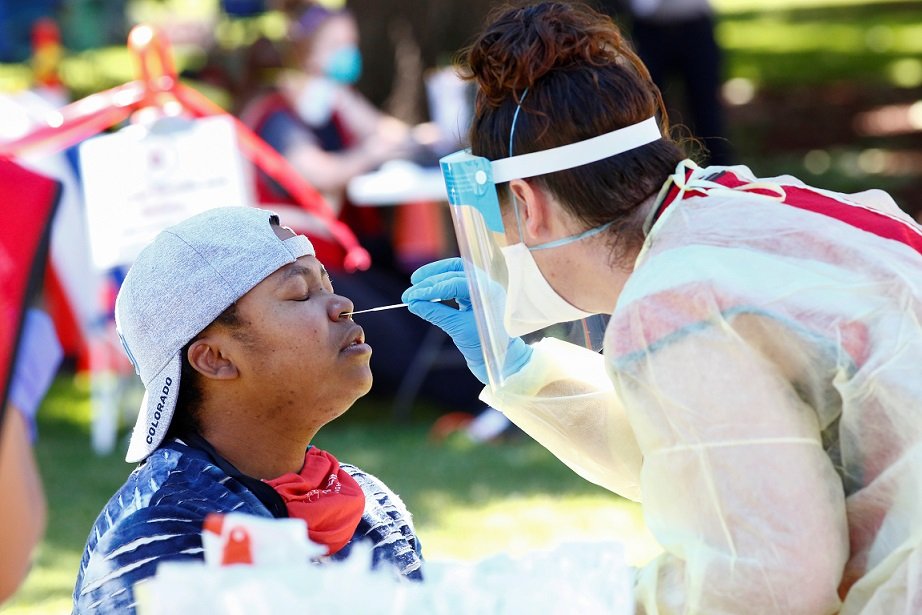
x,y
509,295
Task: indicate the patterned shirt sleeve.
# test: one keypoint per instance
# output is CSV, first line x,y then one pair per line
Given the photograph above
x,y
130,552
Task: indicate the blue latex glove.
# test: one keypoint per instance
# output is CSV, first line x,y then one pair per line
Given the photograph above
x,y
443,280
37,361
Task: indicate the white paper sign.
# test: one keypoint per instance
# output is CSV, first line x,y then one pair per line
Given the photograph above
x,y
137,182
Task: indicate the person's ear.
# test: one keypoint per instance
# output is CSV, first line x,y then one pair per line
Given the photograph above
x,y
533,211
206,357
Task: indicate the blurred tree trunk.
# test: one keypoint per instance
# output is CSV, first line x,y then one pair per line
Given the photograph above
x,y
401,39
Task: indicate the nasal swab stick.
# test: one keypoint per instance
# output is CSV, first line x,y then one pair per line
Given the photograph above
x,y
377,309
387,307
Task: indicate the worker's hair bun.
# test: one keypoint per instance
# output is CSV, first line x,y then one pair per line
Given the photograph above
x,y
524,44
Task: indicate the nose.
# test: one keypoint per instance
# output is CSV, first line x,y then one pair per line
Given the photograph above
x,y
338,306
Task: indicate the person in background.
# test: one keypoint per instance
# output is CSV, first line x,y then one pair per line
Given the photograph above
x,y
234,328
306,107
676,41
311,112
759,389
24,511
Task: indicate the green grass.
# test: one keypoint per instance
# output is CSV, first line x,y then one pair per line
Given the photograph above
x,y
796,45
737,6
468,501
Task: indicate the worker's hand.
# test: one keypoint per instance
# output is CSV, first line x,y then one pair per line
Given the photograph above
x,y
37,361
445,279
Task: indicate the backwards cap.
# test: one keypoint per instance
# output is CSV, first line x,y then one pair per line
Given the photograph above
x,y
179,285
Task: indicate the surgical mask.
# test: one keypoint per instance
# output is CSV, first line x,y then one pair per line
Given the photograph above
x,y
316,101
344,65
531,301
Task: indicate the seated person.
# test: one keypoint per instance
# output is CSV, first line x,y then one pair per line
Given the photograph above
x,y
311,114
309,110
234,328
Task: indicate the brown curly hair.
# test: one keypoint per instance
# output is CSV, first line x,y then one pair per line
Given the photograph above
x,y
583,79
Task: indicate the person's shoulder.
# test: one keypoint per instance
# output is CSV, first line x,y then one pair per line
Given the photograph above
x,y
158,488
174,485
176,477
156,515
382,505
129,552
387,524
176,469
713,233
375,488
132,534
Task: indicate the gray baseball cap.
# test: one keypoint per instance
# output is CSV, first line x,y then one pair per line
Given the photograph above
x,y
178,285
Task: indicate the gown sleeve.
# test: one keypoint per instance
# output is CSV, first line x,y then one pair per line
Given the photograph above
x,y
565,400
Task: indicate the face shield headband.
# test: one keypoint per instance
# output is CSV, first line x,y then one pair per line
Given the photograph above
x,y
471,180
515,204
530,304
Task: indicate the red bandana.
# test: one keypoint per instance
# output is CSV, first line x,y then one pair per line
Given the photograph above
x,y
325,496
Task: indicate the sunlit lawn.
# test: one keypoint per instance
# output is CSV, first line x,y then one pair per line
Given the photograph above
x,y
468,500
793,44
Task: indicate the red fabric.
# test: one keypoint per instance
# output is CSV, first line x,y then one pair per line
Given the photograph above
x,y
27,202
325,496
59,307
866,219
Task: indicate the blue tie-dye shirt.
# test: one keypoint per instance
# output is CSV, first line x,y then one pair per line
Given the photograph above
x,y
158,514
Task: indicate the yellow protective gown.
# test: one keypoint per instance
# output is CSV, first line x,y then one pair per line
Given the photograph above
x,y
760,393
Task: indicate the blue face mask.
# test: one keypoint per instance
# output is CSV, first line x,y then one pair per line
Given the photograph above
x,y
344,65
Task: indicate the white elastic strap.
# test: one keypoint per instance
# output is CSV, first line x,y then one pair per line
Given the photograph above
x,y
696,181
576,154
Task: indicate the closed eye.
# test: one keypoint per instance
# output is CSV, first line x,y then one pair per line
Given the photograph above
x,y
312,292
299,283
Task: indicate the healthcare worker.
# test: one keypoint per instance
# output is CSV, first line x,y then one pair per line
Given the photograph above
x,y
760,386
